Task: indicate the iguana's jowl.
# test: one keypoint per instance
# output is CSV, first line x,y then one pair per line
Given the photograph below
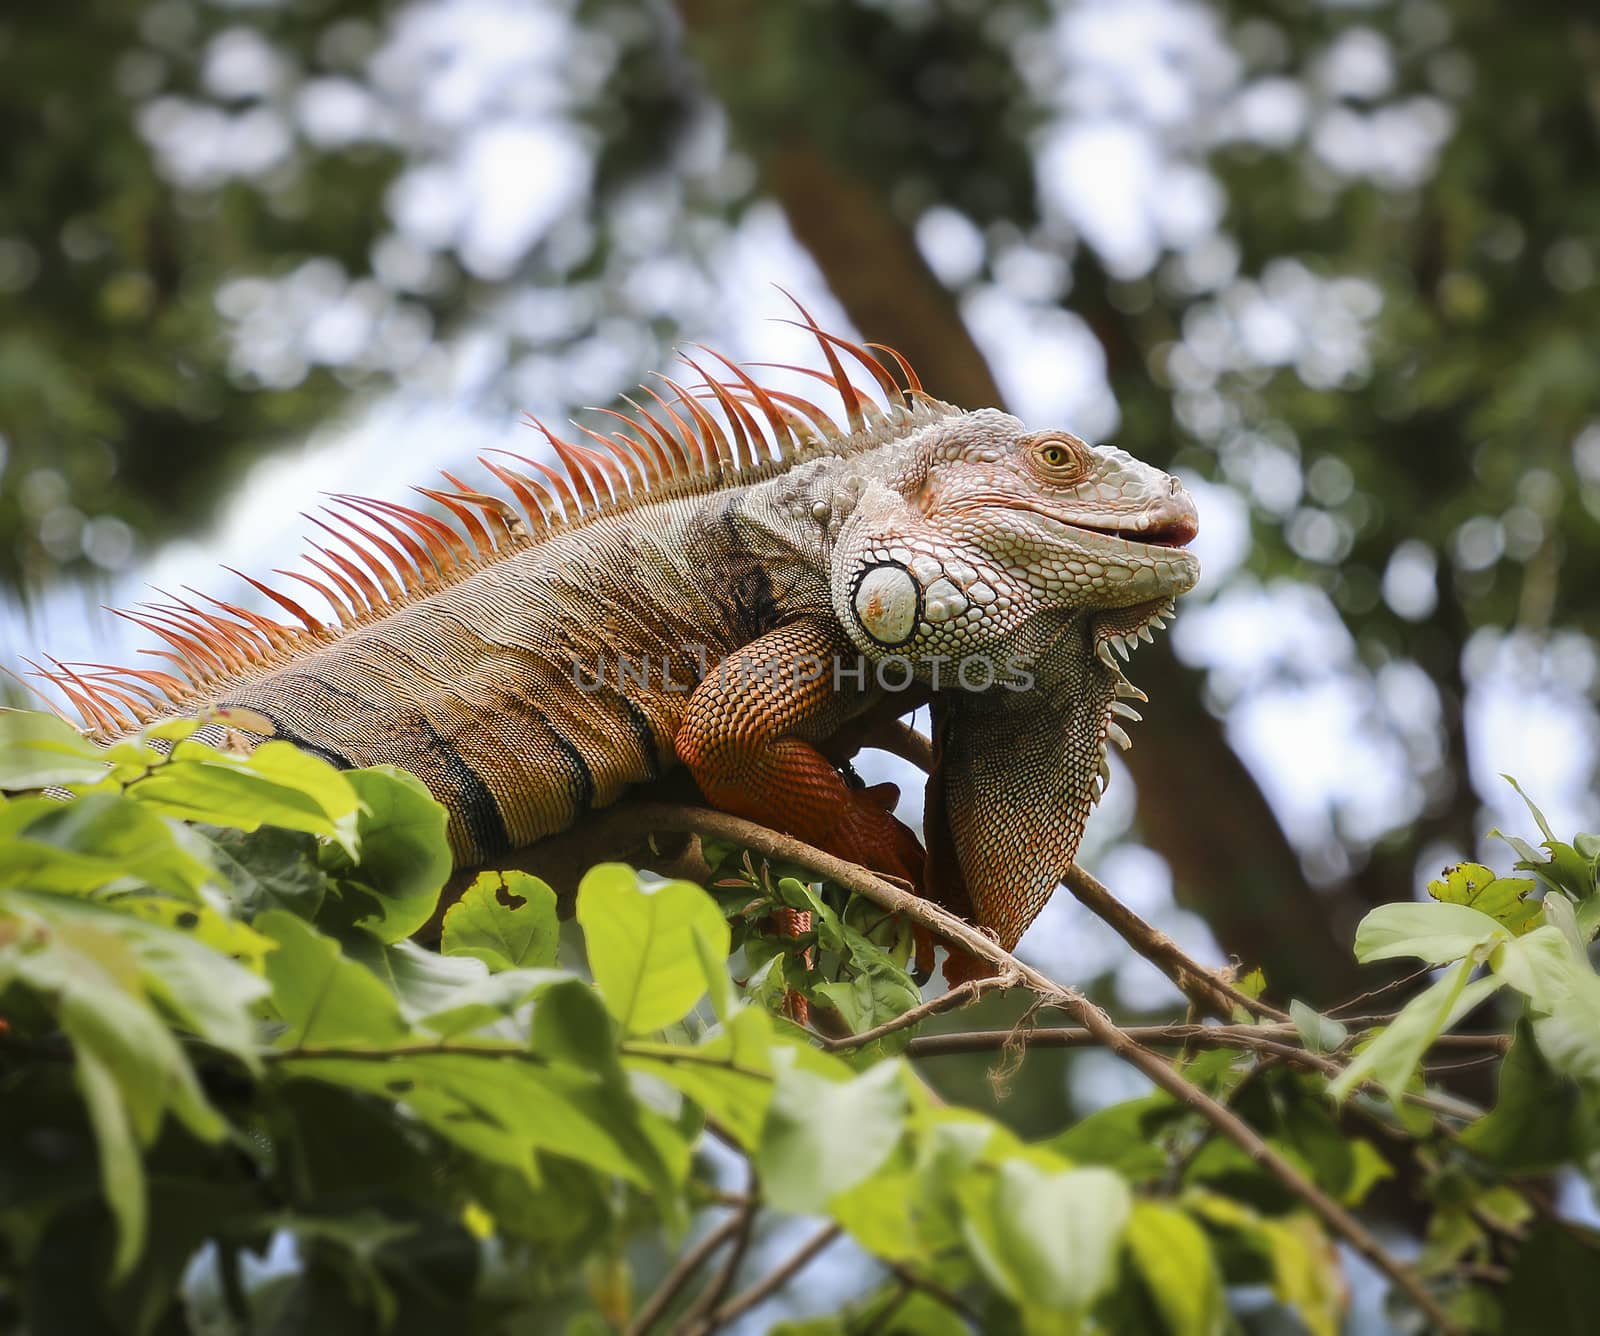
x,y
911,550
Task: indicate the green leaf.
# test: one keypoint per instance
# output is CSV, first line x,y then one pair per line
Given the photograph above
x,y
823,1137
879,991
1437,933
404,859
82,963
1123,1136
493,998
1368,1168
276,785
1529,858
571,1023
93,842
1563,866
325,999
422,981
641,945
38,750
1320,1034
1588,917
1173,1258
1538,816
269,869
202,990
728,1075
1306,1274
505,919
1392,1058
719,986
504,1109
1544,966
1570,1036
121,1168
881,1212
1539,1120
1050,1241
1561,914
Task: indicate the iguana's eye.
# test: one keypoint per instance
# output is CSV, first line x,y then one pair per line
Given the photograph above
x,y
1057,459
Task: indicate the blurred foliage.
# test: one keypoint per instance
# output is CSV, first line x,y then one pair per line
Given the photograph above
x,y
237,1098
1449,481
121,413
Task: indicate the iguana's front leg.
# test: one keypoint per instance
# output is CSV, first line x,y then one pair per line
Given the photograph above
x,y
749,740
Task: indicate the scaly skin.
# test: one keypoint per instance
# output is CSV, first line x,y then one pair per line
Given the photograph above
x,y
957,555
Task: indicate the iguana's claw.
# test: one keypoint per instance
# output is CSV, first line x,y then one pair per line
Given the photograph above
x,y
867,832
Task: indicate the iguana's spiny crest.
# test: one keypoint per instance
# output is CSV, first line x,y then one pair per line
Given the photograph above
x,y
725,431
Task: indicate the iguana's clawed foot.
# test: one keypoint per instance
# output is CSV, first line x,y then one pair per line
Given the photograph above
x,y
962,967
865,830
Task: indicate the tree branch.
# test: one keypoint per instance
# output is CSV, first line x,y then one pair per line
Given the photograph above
x,y
699,1318
771,1283
682,1272
1206,988
719,825
1276,1039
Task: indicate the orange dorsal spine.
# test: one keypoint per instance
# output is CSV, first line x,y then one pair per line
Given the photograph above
x,y
389,555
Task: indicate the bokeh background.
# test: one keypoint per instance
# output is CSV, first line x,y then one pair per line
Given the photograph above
x,y
1334,263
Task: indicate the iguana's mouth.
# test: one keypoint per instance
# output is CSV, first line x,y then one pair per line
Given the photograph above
x,y
1173,526
1179,531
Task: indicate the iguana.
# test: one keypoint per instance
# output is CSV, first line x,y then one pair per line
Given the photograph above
x,y
725,584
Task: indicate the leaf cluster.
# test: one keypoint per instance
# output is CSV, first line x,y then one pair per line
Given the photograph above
x,y
236,1096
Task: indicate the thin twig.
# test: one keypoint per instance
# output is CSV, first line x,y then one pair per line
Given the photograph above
x,y
1205,987
440,1049
772,1282
954,1302
696,1320
1379,991
719,825
682,1272
961,995
1076,1036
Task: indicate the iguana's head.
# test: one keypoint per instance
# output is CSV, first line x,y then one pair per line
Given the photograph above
x,y
982,523
1091,526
